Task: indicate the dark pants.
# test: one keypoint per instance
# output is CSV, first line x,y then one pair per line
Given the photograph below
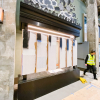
x,y
93,68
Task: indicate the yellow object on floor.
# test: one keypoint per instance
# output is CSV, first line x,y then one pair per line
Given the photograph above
x,y
83,80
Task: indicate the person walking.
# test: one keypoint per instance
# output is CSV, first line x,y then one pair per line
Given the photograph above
x,y
90,63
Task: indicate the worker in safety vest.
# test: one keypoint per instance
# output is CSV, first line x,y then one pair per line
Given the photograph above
x,y
90,63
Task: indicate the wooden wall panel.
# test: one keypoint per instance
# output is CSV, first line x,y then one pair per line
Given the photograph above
x,y
75,54
58,52
63,54
66,53
52,54
28,63
42,54
69,54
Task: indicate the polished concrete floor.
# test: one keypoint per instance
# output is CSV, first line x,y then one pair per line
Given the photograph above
x,y
90,92
68,90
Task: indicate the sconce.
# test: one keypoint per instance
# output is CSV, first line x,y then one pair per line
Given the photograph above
x,y
1,15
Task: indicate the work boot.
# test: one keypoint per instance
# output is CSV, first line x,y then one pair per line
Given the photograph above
x,y
95,78
84,74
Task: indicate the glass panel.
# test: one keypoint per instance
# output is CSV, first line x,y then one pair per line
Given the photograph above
x,y
85,29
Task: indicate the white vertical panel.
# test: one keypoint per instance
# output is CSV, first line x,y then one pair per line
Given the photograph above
x,y
75,54
42,54
69,54
52,54
57,51
28,62
63,54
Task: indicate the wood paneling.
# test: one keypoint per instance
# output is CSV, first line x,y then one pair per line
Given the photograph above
x,y
47,50
36,54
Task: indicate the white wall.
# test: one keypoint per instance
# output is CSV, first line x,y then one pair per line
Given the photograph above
x,y
75,54
28,63
18,54
52,54
42,54
63,54
57,51
69,54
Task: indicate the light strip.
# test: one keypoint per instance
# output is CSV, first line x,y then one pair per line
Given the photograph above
x,y
44,33
46,30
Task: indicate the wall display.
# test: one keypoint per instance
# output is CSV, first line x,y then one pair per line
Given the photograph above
x,y
75,53
52,54
38,37
57,51
69,53
42,54
28,61
63,54
61,8
67,44
61,43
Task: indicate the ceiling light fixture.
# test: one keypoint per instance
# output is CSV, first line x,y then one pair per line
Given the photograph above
x,y
34,28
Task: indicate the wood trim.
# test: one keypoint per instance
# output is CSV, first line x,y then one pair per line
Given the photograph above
x,y
59,53
15,80
22,53
47,50
36,54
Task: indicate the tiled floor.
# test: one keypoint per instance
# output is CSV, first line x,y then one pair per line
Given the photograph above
x,y
77,90
90,92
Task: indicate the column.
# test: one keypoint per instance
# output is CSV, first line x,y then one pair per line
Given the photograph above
x,y
92,28
7,49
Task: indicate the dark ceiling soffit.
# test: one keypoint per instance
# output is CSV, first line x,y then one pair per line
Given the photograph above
x,y
48,22
31,14
25,20
31,8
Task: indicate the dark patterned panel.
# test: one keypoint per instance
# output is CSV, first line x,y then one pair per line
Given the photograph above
x,y
59,6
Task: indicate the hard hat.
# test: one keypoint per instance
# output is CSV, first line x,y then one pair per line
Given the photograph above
x,y
92,51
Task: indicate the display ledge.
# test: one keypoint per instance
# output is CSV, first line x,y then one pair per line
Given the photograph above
x,y
39,84
43,74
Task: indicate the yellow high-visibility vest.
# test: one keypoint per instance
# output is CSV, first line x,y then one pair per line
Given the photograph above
x,y
91,60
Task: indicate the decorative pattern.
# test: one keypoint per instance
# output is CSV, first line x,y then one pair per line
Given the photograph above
x,y
61,8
